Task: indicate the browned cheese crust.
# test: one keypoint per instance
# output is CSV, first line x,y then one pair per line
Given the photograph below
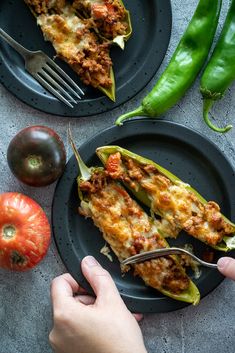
x,y
129,231
178,206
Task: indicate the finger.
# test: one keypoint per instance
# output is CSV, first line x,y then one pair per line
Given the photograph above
x,y
226,265
81,290
62,288
85,299
138,317
100,280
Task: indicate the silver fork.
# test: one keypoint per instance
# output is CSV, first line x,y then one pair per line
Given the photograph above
x,y
148,255
47,72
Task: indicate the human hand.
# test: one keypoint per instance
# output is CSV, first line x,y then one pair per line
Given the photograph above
x,y
226,265
83,324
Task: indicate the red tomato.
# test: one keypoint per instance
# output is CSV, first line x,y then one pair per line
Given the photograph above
x,y
24,232
99,11
113,163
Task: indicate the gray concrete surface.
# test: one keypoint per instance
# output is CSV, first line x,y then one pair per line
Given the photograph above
x,y
25,309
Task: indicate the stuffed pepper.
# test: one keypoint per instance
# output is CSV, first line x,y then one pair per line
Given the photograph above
x,y
76,42
129,230
110,19
179,205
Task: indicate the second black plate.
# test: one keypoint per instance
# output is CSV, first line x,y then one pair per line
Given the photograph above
x,y
189,155
134,67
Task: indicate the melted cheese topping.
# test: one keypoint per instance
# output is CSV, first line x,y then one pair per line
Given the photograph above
x,y
129,230
62,30
179,208
183,210
105,250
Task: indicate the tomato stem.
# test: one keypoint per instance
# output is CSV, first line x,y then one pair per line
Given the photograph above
x,y
34,161
9,232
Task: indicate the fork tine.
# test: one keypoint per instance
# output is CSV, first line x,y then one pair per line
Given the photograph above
x,y
59,79
49,79
52,63
45,84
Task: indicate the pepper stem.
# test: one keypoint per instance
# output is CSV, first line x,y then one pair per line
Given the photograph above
x,y
136,112
207,104
84,170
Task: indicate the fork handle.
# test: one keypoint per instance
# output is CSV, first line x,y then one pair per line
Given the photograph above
x,y
14,44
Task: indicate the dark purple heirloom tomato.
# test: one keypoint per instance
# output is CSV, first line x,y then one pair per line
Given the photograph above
x,y
36,156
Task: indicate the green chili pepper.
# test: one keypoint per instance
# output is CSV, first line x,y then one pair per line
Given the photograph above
x,y
185,64
110,91
228,242
121,39
220,71
189,295
83,9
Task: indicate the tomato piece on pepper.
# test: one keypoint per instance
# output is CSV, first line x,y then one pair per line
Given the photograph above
x,y
113,164
111,8
24,232
99,11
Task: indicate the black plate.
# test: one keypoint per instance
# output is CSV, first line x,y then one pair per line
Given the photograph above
x,y
134,67
187,154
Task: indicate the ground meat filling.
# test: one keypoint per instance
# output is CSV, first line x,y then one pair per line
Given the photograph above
x,y
169,275
40,7
93,64
109,16
178,206
129,231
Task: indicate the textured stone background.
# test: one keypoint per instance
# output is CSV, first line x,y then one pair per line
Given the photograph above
x,y
25,310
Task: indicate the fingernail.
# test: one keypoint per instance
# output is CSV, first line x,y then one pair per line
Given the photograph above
x,y
90,261
223,262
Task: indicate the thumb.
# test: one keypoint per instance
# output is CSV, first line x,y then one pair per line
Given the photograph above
x,y
100,281
226,265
